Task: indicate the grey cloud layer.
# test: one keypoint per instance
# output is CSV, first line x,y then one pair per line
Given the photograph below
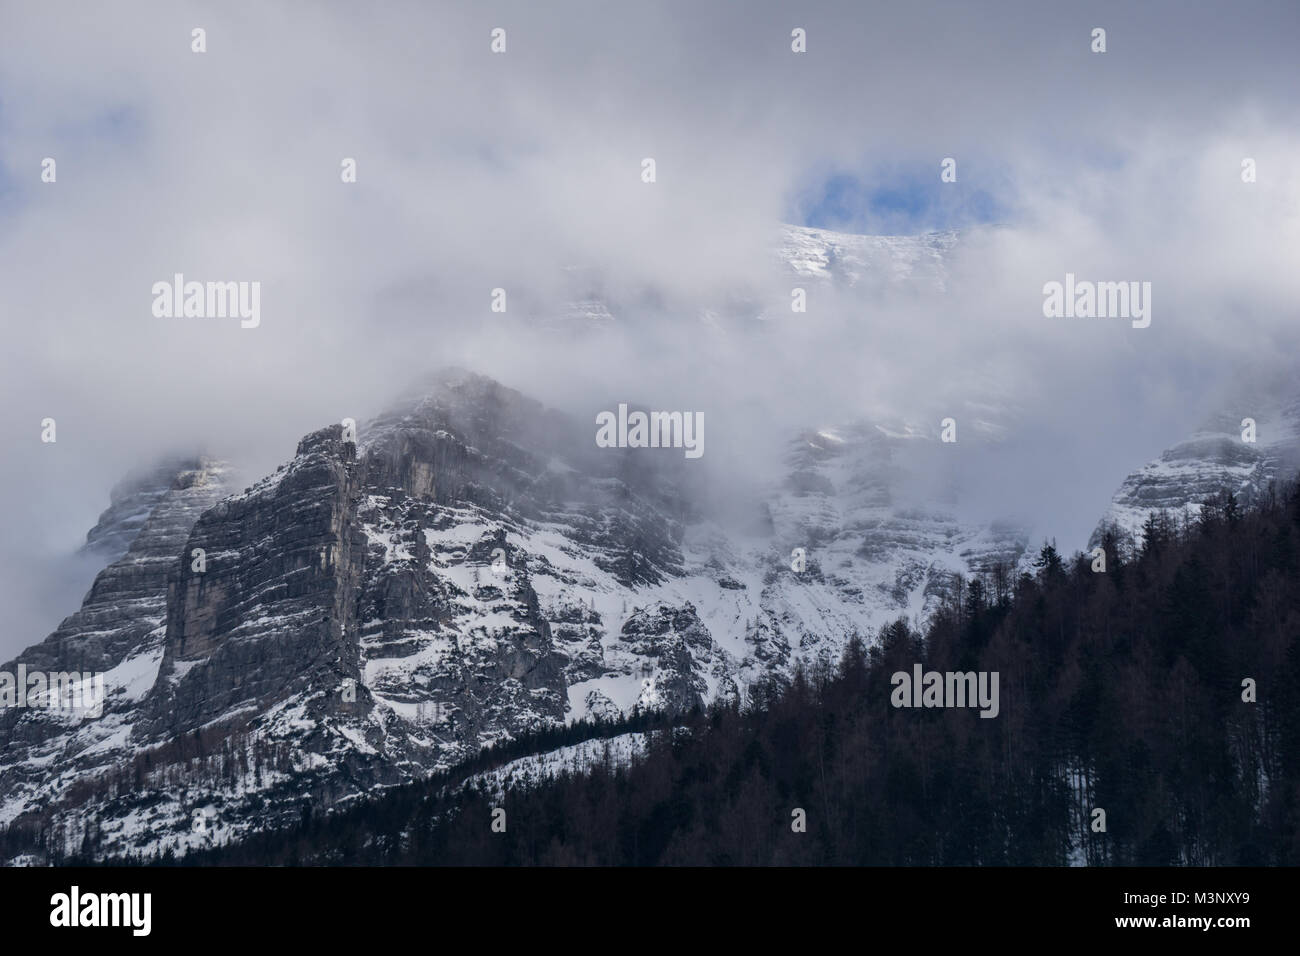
x,y
479,171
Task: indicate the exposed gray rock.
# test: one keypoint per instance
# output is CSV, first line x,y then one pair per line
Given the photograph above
x,y
119,631
676,644
266,617
472,568
127,600
1215,459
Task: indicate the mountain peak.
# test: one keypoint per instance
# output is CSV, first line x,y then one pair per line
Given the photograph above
x,y
134,497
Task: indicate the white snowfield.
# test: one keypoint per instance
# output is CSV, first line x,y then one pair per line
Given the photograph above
x,y
823,254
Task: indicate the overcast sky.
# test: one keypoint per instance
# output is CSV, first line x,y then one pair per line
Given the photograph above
x,y
479,170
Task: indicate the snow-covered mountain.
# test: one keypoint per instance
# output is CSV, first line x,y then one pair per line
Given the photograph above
x,y
798,256
1242,451
471,567
856,260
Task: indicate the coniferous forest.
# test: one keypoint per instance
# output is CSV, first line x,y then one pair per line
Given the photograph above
x,y
1162,691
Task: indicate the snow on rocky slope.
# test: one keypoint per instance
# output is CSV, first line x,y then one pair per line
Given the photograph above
x,y
858,266
1215,458
118,631
859,260
472,567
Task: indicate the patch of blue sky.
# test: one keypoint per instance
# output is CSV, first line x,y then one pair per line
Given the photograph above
x,y
903,198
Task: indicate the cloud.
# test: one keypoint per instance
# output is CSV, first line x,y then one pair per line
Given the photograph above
x,y
522,171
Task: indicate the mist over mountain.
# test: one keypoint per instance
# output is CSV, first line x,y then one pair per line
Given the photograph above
x,y
616,373
521,172
466,568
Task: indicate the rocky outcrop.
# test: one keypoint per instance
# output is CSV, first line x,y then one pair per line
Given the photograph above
x,y
145,528
470,568
674,646
147,496
262,609
1217,458
117,633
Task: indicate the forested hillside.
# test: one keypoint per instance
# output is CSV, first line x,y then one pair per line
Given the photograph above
x,y
1125,690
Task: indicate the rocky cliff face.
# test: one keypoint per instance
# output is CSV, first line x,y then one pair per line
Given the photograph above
x,y
147,496
266,613
472,566
1216,458
118,631
143,531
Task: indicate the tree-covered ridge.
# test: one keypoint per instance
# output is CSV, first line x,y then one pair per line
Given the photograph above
x,y
1121,690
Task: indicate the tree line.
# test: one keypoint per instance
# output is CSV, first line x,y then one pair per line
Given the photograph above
x,y
1163,691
